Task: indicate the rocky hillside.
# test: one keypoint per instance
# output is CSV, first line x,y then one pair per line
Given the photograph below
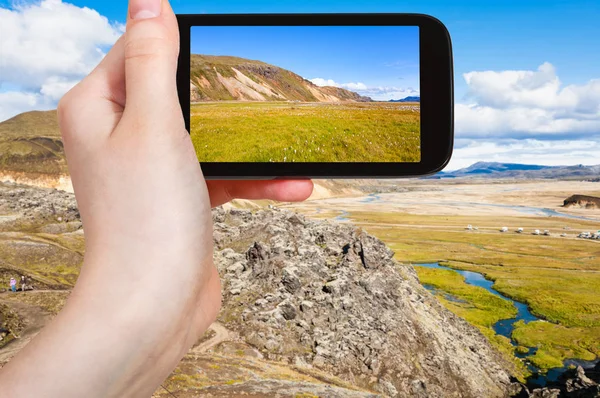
x,y
585,201
331,297
313,307
222,78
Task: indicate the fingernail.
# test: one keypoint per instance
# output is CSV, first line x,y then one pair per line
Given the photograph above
x,y
144,9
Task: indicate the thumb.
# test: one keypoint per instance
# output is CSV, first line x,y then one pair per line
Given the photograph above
x,y
151,52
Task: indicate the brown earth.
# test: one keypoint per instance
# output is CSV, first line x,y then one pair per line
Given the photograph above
x,y
582,201
225,78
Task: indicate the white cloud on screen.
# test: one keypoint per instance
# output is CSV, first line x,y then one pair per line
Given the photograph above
x,y
329,82
378,93
46,48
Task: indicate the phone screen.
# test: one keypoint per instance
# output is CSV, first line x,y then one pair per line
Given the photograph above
x,y
305,93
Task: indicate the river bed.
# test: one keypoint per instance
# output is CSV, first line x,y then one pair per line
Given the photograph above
x,y
529,210
505,327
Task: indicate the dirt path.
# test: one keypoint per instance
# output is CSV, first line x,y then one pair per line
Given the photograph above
x,y
221,334
35,319
34,291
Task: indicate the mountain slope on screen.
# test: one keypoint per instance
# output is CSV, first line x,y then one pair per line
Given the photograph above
x,y
408,99
224,78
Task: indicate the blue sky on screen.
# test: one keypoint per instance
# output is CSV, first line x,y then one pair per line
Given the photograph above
x,y
381,62
527,74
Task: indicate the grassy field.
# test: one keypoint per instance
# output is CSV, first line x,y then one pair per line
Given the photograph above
x,y
558,278
476,305
306,132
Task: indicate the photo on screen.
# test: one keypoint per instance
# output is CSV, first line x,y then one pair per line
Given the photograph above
x,y
305,93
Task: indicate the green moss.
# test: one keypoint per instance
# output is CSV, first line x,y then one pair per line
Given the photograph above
x,y
556,343
478,306
474,303
546,359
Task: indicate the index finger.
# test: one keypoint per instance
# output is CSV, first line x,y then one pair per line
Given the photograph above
x,y
280,190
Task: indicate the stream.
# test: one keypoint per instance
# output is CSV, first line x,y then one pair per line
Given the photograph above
x,y
505,327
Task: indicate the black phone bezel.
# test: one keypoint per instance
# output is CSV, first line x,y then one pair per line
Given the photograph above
x,y
437,96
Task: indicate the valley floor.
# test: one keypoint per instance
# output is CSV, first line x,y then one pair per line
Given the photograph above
x,y
556,276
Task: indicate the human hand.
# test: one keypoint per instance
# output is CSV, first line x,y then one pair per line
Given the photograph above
x,y
148,288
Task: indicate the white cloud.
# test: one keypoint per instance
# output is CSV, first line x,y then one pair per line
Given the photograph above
x,y
530,117
378,93
528,104
55,87
46,47
14,102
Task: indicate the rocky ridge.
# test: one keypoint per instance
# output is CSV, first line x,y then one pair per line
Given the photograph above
x,y
330,296
225,78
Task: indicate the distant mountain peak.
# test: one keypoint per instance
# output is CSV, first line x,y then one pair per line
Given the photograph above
x,y
522,171
408,99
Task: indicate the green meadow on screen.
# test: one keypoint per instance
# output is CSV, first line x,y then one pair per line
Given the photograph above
x,y
305,93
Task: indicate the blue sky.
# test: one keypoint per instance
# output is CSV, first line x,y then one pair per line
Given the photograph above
x,y
497,35
527,72
381,62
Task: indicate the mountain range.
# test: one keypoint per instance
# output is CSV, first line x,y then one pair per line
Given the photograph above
x,y
521,171
225,78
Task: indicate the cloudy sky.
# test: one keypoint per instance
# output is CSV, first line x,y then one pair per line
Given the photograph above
x,y
527,72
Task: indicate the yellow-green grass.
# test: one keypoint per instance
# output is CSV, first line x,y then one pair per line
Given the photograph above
x,y
51,261
196,372
305,132
558,278
477,306
568,297
480,307
51,302
556,343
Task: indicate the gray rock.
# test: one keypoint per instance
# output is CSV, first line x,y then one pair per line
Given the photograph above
x,y
258,260
331,296
290,280
545,393
287,310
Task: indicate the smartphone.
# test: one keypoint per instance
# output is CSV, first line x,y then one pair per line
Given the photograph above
x,y
317,95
